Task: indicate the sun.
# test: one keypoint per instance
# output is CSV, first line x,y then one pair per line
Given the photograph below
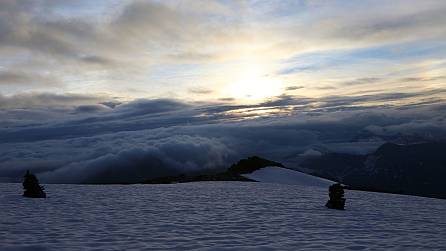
x,y
253,84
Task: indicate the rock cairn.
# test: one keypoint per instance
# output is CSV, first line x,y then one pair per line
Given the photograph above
x,y
32,187
336,194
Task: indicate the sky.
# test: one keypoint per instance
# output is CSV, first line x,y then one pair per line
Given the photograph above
x,y
94,91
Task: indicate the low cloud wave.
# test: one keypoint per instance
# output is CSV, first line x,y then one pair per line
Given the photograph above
x,y
153,158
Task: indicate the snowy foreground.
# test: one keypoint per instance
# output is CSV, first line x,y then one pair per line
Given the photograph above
x,y
216,215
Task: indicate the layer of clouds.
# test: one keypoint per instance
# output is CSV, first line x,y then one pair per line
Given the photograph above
x,y
23,78
136,160
33,100
152,138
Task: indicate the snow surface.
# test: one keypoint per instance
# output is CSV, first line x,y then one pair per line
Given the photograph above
x,y
286,176
216,215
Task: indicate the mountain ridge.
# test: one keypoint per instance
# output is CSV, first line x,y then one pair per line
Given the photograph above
x,y
415,169
233,173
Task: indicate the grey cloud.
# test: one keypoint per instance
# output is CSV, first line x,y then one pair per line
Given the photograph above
x,y
160,23
144,106
45,100
425,22
325,87
284,100
91,108
36,37
98,60
421,79
133,116
310,153
227,99
362,81
111,104
193,57
14,78
169,156
334,27
25,25
199,90
293,88
425,130
126,44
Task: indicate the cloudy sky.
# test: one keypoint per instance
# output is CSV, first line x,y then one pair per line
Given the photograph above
x,y
112,90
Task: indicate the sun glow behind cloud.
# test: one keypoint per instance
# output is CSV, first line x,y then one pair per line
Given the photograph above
x,y
253,83
246,52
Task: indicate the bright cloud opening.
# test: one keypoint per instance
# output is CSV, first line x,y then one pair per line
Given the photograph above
x,y
254,83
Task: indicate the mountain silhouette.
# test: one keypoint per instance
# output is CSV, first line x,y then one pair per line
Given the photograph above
x,y
417,169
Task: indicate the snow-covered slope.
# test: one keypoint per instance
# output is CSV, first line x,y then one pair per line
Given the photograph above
x,y
216,216
286,176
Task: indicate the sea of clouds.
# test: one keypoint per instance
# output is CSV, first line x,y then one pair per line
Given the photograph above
x,y
80,139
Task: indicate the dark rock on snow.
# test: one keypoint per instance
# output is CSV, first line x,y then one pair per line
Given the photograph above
x,y
32,187
336,194
234,173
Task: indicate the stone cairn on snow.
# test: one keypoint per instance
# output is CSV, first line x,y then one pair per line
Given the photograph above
x,y
32,187
336,194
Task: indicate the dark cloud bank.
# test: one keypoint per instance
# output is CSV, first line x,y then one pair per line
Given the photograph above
x,y
81,139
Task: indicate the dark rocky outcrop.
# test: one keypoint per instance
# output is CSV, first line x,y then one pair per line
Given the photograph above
x,y
32,187
251,164
183,178
233,173
336,194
